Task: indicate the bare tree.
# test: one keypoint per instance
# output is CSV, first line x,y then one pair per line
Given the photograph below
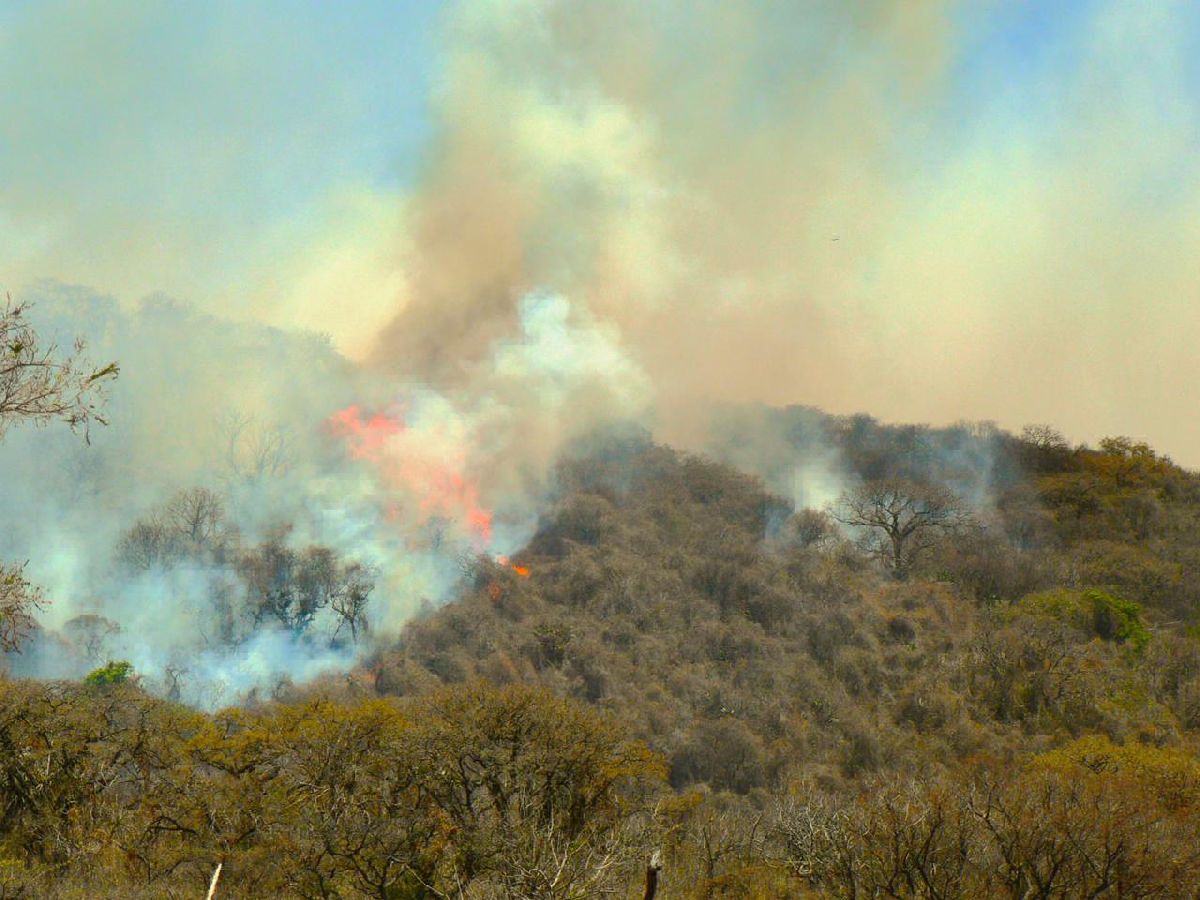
x,y
147,544
90,632
173,678
18,601
196,515
38,384
191,524
902,518
349,598
1044,449
254,450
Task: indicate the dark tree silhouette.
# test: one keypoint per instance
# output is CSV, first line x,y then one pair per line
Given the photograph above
x,y
40,385
901,518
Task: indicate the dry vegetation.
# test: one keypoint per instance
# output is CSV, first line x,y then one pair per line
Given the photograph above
x,y
862,721
989,687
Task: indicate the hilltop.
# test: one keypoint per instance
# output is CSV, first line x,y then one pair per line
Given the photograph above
x,y
991,687
753,645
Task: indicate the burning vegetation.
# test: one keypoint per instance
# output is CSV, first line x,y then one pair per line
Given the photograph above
x,y
417,473
541,593
681,667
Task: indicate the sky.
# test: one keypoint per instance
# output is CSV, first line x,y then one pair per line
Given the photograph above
x,y
209,151
927,211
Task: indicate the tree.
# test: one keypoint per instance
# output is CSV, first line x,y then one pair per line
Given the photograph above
x,y
18,601
811,527
903,518
254,450
1044,450
1127,463
196,515
90,632
294,587
113,672
543,796
39,385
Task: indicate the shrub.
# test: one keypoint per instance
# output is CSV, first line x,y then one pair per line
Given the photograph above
x,y
1094,612
112,672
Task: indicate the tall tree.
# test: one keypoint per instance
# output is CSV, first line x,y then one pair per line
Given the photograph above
x,y
901,518
39,384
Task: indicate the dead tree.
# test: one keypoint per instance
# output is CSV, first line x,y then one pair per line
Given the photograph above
x,y
900,519
652,871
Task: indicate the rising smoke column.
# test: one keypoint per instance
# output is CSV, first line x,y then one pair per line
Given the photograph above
x,y
930,211
471,451
276,425
679,168
636,210
925,209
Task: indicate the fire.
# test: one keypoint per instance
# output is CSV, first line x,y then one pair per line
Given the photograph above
x,y
416,466
364,439
495,590
523,571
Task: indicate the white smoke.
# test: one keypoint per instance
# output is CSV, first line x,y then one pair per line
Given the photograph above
x,y
251,413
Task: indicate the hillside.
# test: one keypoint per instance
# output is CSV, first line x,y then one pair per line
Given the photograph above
x,y
753,646
1001,700
759,649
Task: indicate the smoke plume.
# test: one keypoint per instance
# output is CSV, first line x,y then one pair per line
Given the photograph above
x,y
865,205
623,211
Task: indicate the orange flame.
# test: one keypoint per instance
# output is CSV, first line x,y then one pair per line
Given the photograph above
x,y
523,571
364,440
440,488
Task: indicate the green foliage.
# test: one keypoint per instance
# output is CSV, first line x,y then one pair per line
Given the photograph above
x,y
1117,619
1095,612
111,673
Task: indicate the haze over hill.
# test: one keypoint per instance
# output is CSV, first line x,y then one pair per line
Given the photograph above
x,y
934,212
499,487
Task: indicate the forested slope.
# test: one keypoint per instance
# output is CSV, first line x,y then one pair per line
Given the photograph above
x,y
754,646
993,692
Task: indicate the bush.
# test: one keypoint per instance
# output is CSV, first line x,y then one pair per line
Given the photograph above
x,y
1094,612
725,754
111,673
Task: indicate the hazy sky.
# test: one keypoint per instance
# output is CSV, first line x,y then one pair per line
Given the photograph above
x,y
923,210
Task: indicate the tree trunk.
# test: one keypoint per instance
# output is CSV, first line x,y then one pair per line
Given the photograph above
x,y
652,871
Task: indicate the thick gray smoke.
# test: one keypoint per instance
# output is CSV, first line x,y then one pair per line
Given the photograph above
x,y
300,449
858,204
628,210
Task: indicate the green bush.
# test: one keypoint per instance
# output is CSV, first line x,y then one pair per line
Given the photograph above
x,y
1093,611
112,672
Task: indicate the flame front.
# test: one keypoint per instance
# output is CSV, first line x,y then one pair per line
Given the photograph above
x,y
422,475
364,439
523,571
